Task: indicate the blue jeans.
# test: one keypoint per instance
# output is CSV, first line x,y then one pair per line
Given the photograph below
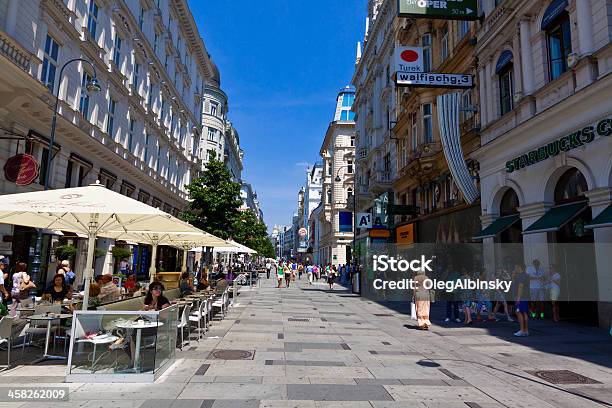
x,y
452,308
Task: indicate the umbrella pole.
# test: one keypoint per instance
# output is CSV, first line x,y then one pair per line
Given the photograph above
x,y
152,268
91,246
184,266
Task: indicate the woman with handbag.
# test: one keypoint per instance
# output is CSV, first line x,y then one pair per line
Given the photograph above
x,y
422,299
21,286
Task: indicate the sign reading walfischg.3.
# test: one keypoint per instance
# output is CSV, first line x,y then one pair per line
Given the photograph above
x,y
565,143
434,80
443,9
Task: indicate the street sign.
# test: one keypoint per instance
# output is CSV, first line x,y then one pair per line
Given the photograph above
x,y
434,80
364,220
408,59
447,10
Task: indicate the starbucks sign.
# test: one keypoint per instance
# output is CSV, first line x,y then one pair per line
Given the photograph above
x,y
565,143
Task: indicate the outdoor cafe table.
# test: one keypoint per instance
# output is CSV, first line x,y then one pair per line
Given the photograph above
x,y
49,318
138,326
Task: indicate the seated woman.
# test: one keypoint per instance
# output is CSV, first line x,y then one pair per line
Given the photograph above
x,y
108,290
186,284
58,290
130,284
203,283
155,299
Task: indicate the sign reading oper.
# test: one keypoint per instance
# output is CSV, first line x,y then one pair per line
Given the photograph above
x,y
444,9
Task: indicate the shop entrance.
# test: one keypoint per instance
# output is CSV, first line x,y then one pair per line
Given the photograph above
x,y
574,255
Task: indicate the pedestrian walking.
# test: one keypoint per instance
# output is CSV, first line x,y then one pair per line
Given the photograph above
x,y
300,271
500,297
268,269
422,300
331,276
452,304
309,272
279,274
287,275
554,287
537,288
522,282
315,272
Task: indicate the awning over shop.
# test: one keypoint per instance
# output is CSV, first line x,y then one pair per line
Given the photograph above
x,y
556,217
498,226
604,219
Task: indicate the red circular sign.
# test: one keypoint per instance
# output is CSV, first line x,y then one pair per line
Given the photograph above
x,y
409,56
21,169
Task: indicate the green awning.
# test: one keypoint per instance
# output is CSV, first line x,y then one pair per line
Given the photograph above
x,y
499,225
604,219
556,217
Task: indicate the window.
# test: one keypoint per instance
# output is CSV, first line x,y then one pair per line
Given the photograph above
x,y
427,123
463,27
127,189
329,196
415,133
426,44
213,108
155,39
352,141
347,100
131,134
84,99
466,111
111,117
146,147
135,78
347,115
329,168
158,163
92,19
349,167
444,44
47,75
211,134
349,194
117,50
558,39
210,155
150,96
107,179
505,89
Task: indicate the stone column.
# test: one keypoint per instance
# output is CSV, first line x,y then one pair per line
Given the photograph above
x,y
535,246
526,57
584,24
517,61
491,105
599,200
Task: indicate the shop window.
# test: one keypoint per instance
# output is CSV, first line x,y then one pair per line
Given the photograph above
x,y
509,203
570,187
143,196
127,189
107,179
559,45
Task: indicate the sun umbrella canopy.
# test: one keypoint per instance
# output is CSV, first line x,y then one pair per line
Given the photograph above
x,y
71,209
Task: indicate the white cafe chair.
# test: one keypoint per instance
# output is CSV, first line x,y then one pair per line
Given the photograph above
x,y
40,326
198,316
184,324
6,335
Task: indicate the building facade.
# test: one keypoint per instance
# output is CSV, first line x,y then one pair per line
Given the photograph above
x,y
140,135
338,154
544,72
250,200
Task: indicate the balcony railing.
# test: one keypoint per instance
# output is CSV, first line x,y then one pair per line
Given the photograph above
x,y
14,52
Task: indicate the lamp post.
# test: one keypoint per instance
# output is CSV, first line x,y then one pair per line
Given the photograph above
x,y
338,180
92,86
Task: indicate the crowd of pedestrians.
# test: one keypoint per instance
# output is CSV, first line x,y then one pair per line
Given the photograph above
x,y
287,271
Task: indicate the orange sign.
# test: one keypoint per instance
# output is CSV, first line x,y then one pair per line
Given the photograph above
x,y
379,233
405,234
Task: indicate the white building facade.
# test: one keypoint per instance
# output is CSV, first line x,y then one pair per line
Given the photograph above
x,y
544,70
140,135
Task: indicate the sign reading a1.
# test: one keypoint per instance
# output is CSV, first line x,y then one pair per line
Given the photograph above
x,y
444,9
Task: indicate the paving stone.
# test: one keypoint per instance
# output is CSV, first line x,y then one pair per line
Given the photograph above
x,y
338,392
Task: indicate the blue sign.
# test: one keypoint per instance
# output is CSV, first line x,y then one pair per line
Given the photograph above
x,y
345,221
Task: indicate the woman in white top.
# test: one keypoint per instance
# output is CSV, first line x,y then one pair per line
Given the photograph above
x,y
554,286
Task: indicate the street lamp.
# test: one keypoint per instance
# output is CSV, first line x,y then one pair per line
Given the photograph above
x,y
92,87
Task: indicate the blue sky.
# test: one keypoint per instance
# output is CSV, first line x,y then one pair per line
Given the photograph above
x,y
282,64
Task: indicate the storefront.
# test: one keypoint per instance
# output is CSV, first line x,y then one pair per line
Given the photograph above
x,y
546,191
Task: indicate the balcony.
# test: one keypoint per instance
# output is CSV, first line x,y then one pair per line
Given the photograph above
x,y
91,46
61,14
14,52
380,182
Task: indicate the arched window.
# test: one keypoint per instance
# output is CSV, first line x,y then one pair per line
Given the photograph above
x,y
570,187
509,203
504,71
329,196
349,194
556,24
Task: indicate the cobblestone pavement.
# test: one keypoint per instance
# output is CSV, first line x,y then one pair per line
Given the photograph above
x,y
308,347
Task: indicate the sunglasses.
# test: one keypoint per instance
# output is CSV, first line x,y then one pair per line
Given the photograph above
x,y
157,289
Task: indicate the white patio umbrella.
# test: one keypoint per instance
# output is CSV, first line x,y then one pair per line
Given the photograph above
x,y
243,249
184,241
93,211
